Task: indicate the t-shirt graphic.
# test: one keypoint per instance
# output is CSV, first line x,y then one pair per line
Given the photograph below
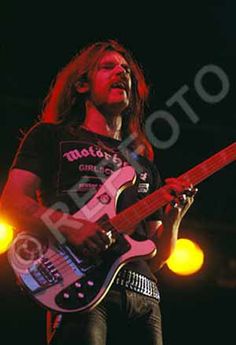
x,y
86,165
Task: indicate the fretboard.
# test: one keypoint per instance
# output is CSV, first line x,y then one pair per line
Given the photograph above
x,y
130,217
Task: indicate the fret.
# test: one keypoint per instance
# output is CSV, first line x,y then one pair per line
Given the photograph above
x,y
210,166
130,217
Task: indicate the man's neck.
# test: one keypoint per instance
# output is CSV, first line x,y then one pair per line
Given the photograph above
x,y
97,122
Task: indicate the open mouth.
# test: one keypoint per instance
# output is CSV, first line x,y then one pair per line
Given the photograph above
x,y
120,85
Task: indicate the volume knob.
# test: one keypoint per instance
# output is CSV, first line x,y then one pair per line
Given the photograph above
x,y
66,295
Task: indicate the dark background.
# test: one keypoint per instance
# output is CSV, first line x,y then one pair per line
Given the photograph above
x,y
172,42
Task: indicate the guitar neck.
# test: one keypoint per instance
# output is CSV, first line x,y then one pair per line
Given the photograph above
x,y
126,220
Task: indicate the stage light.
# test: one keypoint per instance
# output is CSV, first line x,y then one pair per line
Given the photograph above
x,y
6,236
187,258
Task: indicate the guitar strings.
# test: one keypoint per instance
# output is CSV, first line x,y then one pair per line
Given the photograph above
x,y
195,174
61,262
127,222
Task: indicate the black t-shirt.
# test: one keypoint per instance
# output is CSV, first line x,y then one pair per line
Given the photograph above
x,y
73,168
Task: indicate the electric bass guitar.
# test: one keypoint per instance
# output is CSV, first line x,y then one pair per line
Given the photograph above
x,y
60,280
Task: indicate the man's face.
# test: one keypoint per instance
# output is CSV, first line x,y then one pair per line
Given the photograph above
x,y
110,83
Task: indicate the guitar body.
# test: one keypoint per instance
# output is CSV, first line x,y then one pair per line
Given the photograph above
x,y
60,280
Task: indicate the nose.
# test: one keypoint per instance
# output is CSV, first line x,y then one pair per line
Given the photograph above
x,y
120,69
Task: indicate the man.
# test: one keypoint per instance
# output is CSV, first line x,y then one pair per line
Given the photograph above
x,y
90,128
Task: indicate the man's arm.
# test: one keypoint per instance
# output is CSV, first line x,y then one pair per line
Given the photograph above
x,y
20,208
165,240
165,233
18,201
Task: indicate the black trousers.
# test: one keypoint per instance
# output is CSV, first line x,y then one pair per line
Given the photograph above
x,y
123,317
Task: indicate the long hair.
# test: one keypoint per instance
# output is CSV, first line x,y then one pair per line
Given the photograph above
x,y
65,105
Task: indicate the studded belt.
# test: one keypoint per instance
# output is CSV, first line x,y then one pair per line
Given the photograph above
x,y
138,283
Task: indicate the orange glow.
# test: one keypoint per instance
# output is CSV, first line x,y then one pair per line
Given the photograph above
x,y
186,259
6,236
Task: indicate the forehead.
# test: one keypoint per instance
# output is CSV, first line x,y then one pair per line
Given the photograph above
x,y
112,56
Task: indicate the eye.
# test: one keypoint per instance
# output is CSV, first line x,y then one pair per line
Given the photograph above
x,y
107,66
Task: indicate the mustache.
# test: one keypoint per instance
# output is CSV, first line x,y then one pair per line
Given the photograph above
x,y
121,82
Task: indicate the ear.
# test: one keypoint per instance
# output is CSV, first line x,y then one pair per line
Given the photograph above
x,y
82,86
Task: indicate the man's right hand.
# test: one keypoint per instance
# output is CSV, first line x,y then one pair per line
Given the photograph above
x,y
90,239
